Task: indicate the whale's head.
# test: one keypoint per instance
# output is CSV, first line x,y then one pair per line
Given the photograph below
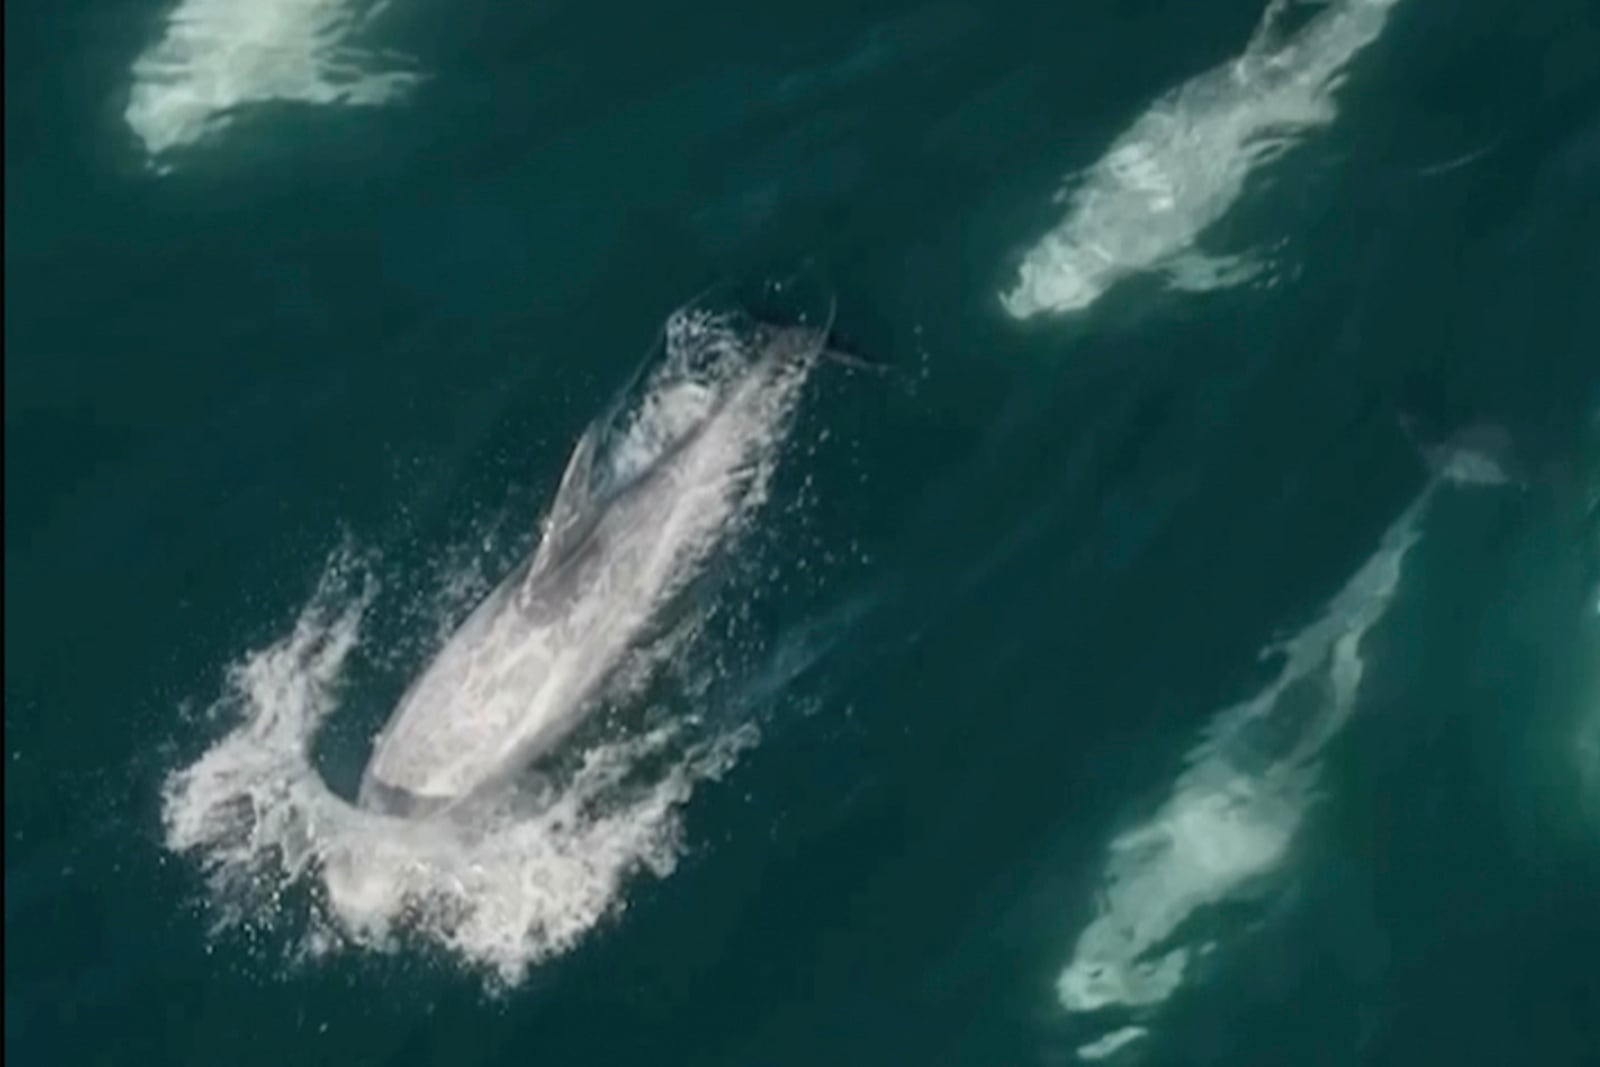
x,y
781,347
1064,281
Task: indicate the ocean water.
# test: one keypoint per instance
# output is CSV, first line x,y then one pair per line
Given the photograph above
x,y
1171,634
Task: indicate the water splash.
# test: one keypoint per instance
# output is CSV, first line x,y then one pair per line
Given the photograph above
x,y
517,884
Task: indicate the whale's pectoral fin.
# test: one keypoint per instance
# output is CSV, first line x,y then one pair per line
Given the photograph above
x,y
853,362
1281,20
1197,272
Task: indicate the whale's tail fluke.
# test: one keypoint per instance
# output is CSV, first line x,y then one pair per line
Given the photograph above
x,y
1481,453
385,799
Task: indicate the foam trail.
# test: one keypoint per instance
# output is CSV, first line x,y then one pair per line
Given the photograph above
x,y
1181,166
503,892
216,56
1234,812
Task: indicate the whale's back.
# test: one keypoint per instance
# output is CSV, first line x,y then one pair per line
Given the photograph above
x,y
655,485
452,729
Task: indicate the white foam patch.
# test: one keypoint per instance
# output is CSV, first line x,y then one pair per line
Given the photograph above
x,y
1234,812
1181,166
518,884
217,56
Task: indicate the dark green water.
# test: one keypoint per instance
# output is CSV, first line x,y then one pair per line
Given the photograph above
x,y
1007,774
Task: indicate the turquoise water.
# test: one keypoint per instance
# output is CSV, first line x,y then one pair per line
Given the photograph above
x,y
1111,678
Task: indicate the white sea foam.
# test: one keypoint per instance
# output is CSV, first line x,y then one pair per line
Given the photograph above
x,y
1233,814
217,56
516,885
1181,166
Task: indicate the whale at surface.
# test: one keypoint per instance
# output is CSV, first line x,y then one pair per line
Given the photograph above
x,y
654,487
1181,166
1230,820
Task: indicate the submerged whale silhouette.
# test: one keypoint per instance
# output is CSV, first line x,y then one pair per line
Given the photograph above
x,y
1183,164
1231,819
653,487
